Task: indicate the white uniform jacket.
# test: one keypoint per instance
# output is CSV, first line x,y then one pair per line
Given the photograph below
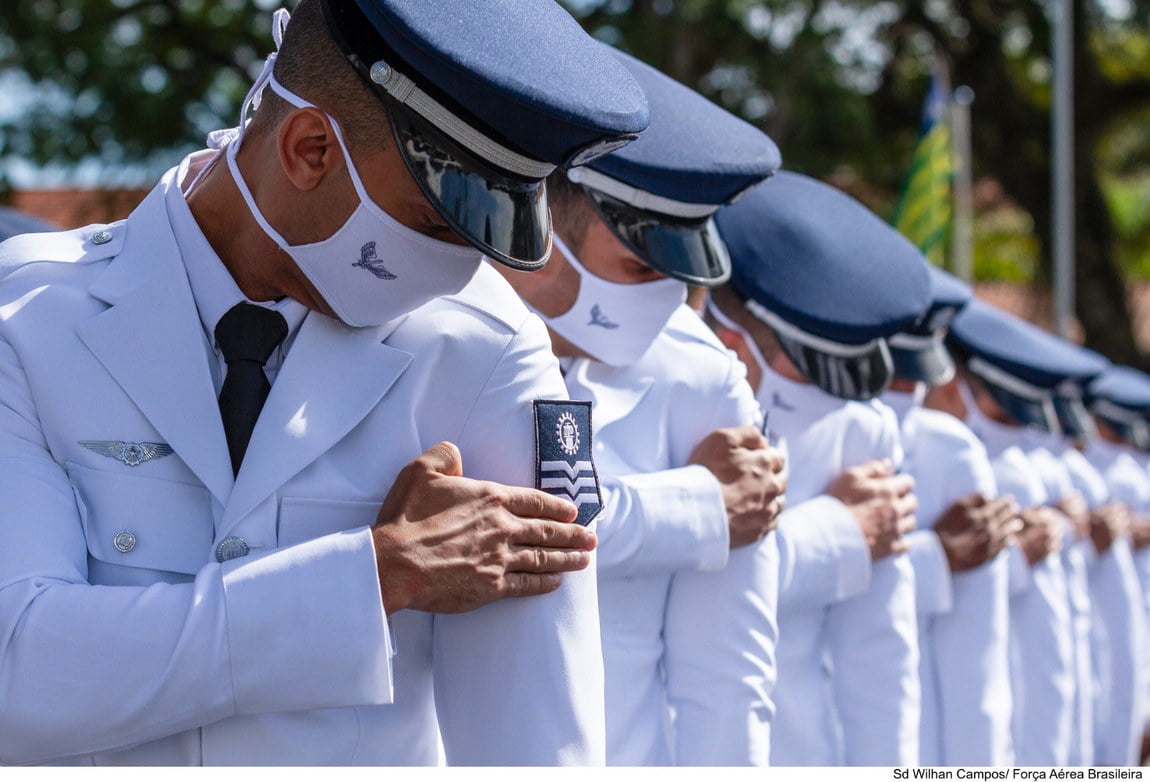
x,y
1041,448
684,626
1041,631
1120,616
848,689
963,618
123,640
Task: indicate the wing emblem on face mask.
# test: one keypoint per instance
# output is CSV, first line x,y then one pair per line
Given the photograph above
x,y
368,260
599,319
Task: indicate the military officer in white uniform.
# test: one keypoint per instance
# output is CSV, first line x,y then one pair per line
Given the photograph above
x,y
812,314
208,580
688,574
1117,398
961,575
1004,393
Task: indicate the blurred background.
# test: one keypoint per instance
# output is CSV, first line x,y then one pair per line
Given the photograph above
x,y
898,103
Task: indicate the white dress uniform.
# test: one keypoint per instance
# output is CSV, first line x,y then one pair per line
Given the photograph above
x,y
125,641
1042,646
848,688
684,627
963,618
1120,611
1040,448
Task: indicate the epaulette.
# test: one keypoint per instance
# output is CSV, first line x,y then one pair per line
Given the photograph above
x,y
82,245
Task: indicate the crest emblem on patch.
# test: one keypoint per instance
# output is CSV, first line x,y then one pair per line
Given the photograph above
x,y
368,260
564,466
567,432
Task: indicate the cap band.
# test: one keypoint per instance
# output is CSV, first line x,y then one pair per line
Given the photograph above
x,y
836,349
913,342
639,199
405,91
1107,409
1006,381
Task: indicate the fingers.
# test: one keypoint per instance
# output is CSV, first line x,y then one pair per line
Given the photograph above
x,y
879,468
545,560
745,437
530,584
443,458
534,504
553,535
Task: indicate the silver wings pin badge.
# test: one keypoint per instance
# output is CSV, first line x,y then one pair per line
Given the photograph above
x,y
131,454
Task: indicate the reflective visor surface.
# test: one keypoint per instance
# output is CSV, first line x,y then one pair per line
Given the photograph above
x,y
860,377
688,250
1027,412
504,216
931,365
1073,417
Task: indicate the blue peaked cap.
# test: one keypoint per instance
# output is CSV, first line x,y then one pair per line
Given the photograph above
x,y
918,353
1122,386
523,71
694,151
1019,348
948,295
822,261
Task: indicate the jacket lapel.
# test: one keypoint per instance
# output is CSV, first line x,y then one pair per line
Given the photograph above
x,y
331,380
151,341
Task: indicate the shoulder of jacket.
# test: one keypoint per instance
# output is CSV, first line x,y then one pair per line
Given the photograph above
x,y
685,325
91,243
944,428
490,296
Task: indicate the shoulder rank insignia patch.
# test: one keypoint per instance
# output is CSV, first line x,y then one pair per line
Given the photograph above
x,y
564,466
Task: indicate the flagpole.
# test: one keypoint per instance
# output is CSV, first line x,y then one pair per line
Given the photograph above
x,y
1063,179
962,241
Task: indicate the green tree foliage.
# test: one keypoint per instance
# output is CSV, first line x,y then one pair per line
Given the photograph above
x,y
839,84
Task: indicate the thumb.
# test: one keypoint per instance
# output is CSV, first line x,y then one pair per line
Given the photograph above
x,y
879,468
749,437
443,458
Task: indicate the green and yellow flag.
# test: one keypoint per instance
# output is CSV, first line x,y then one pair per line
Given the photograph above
x,y
923,213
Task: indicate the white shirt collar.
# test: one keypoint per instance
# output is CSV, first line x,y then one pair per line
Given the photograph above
x,y
213,288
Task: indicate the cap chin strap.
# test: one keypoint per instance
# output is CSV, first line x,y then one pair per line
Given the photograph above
x,y
1020,388
639,199
914,343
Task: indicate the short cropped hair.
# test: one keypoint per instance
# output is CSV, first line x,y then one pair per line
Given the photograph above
x,y
571,209
311,65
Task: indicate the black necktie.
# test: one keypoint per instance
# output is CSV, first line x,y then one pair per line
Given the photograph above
x,y
247,335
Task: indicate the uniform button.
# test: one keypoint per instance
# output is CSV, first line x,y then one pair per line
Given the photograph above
x,y
231,547
124,541
102,237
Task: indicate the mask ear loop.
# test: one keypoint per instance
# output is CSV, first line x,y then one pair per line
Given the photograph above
x,y
726,322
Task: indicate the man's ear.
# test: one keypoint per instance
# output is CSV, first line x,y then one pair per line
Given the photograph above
x,y
308,148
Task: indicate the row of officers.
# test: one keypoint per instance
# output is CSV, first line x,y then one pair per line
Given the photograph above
x,y
489,397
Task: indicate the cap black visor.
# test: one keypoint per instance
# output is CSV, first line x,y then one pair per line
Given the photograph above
x,y
1073,417
688,250
504,216
930,364
859,377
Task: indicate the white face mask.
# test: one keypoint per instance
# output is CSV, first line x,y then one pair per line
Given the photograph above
x,y
374,268
613,322
752,346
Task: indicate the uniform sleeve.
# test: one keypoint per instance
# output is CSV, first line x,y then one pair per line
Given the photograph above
x,y
194,652
1042,666
932,581
824,557
520,681
873,640
1117,605
721,631
662,522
